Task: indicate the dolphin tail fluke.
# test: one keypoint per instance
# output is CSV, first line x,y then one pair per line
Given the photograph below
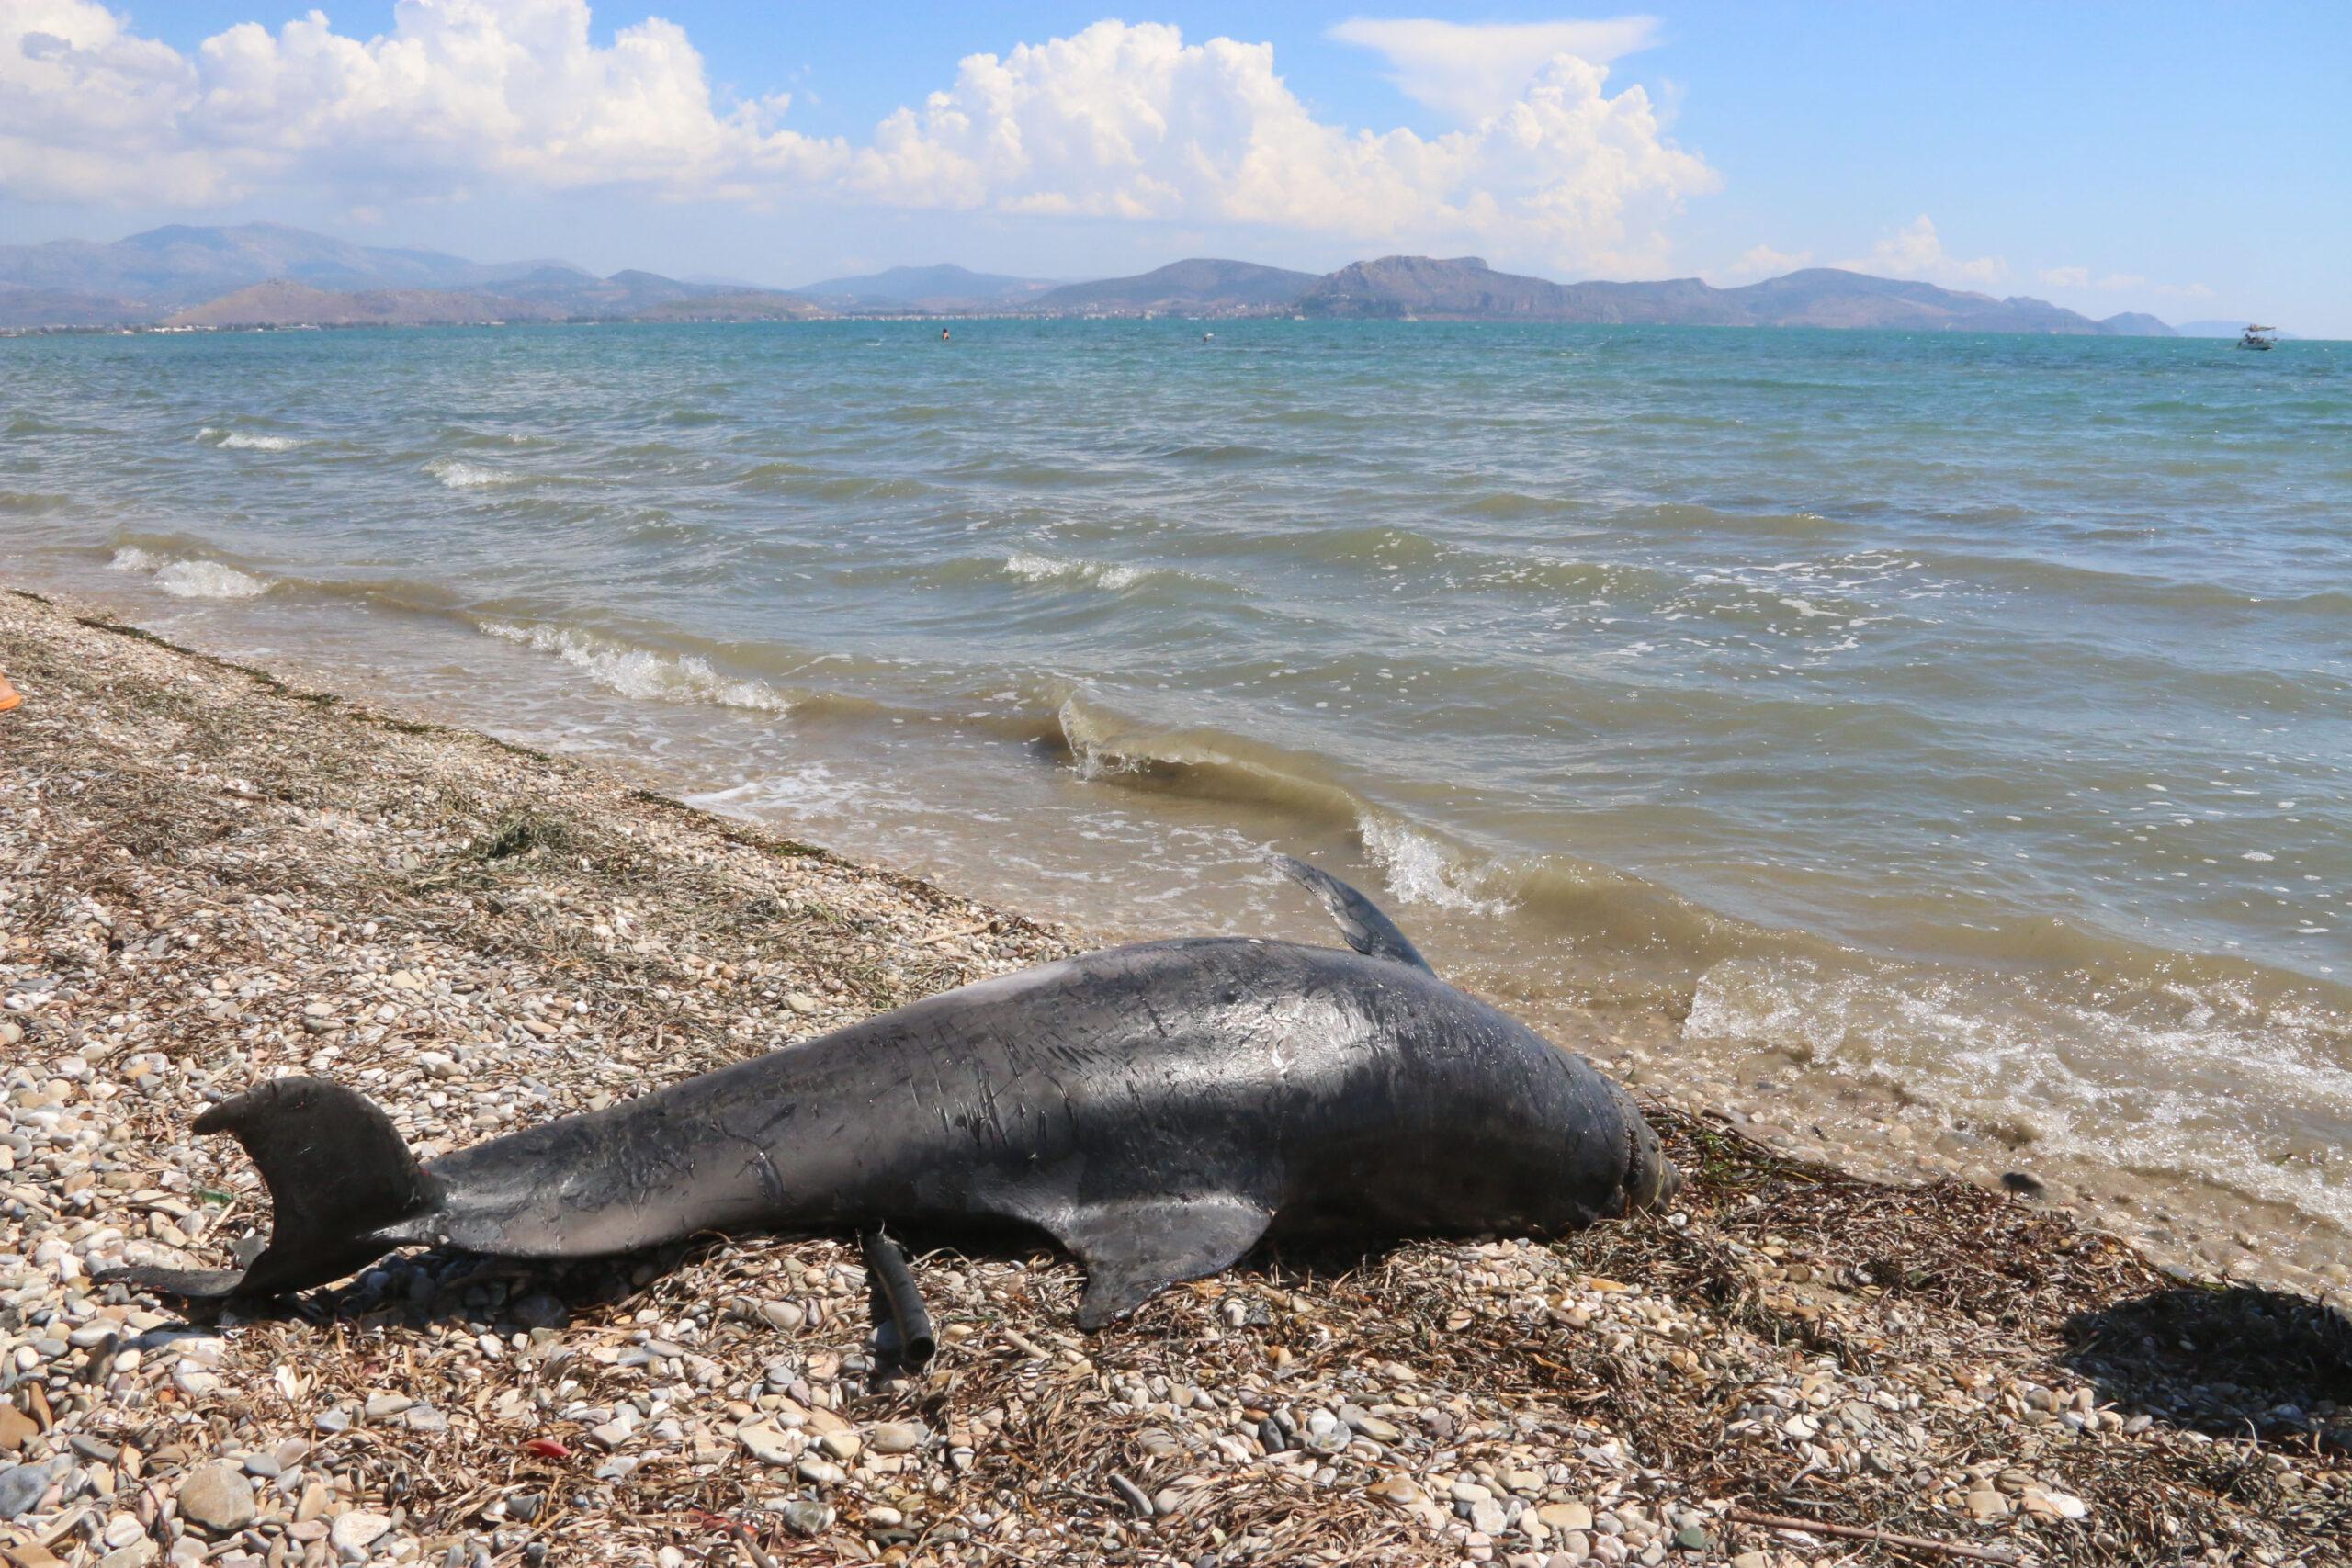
x,y
1367,930
340,1177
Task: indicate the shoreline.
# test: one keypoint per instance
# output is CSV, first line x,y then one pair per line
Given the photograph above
x,y
217,877
1841,1111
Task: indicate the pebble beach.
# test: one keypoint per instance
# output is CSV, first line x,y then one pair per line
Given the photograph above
x,y
209,877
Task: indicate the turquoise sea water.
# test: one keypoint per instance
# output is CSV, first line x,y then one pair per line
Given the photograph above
x,y
1969,718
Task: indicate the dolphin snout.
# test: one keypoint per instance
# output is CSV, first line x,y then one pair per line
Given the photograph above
x,y
1669,1182
1651,1179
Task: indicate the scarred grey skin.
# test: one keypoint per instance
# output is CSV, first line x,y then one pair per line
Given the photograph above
x,y
1157,1109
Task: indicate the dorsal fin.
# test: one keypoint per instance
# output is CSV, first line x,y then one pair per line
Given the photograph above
x,y
1368,931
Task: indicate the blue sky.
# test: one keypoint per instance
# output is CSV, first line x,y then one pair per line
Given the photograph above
x,y
2188,161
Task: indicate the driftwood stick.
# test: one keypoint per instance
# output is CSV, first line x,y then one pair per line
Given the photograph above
x,y
1868,1532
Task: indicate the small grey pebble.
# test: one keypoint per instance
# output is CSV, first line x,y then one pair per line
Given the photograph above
x,y
21,1487
805,1517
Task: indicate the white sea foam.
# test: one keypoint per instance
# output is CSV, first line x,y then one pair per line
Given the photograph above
x,y
209,579
1420,870
2146,1087
191,578
245,441
811,790
460,474
640,672
1034,568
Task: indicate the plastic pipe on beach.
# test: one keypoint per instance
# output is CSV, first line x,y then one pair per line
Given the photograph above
x,y
911,1338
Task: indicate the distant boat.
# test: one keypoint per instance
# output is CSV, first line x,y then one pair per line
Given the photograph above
x,y
2258,337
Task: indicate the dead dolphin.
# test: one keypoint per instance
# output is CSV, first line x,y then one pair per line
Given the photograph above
x,y
1155,1109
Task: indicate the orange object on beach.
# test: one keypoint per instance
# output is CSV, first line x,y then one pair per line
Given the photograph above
x,y
9,696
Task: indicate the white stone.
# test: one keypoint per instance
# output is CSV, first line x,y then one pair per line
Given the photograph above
x,y
356,1530
763,1442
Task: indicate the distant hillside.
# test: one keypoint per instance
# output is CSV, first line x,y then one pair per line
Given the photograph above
x,y
1827,297
268,275
1465,288
1198,287
281,302
182,265
737,305
2136,324
622,295
940,288
23,307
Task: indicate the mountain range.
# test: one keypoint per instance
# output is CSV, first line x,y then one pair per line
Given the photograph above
x,y
269,275
940,289
1184,288
1465,290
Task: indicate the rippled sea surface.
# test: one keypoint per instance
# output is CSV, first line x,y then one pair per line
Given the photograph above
x,y
1967,718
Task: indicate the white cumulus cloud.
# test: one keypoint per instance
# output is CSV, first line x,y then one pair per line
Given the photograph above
x,y
1471,70
1917,251
1131,121
1115,121
459,89
2120,283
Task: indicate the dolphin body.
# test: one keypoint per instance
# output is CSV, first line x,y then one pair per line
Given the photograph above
x,y
1155,1109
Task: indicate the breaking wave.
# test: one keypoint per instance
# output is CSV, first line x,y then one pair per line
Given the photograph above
x,y
1421,869
245,441
1105,746
1032,568
641,672
193,579
457,473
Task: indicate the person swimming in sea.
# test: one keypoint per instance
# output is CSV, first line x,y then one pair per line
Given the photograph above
x,y
942,334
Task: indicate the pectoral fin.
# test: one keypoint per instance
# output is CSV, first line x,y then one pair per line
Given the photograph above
x,y
195,1284
1137,1247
